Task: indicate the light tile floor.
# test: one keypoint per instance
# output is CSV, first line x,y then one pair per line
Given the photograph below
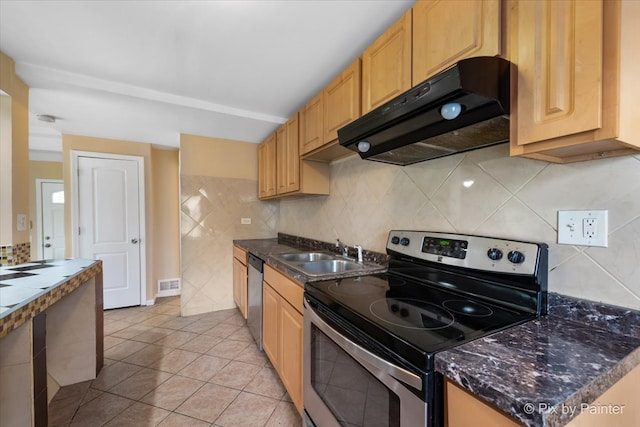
x,y
165,370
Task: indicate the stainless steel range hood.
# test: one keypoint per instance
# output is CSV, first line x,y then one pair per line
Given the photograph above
x,y
474,95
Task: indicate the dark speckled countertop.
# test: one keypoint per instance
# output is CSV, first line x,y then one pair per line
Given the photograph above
x,y
531,371
268,249
541,372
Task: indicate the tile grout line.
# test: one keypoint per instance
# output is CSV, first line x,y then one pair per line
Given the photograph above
x,y
217,320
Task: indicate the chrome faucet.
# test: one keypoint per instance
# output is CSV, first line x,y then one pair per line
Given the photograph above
x,y
344,248
359,248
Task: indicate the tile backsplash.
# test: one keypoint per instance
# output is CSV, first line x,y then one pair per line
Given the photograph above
x,y
486,192
210,212
15,254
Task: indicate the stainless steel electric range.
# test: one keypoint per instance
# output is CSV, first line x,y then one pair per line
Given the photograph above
x,y
370,341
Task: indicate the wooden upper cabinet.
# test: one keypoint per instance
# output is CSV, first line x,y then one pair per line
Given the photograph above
x,y
292,162
267,168
341,101
386,65
444,32
576,79
281,171
311,136
288,157
560,68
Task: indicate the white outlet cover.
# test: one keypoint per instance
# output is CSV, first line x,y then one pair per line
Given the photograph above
x,y
245,221
21,222
571,228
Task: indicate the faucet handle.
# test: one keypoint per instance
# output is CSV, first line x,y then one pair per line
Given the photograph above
x,y
360,257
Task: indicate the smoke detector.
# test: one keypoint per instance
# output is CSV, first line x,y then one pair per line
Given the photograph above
x,y
46,118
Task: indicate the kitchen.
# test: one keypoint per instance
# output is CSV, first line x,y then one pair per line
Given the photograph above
x,y
510,196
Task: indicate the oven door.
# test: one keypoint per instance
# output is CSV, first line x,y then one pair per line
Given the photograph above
x,y
347,385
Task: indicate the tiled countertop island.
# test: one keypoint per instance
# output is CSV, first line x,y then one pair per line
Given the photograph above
x,y
50,333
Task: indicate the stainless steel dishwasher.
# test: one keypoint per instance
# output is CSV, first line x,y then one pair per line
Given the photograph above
x,y
254,298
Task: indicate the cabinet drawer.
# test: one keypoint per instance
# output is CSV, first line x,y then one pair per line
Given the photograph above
x,y
240,254
289,289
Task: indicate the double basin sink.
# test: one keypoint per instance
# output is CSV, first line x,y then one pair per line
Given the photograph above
x,y
319,263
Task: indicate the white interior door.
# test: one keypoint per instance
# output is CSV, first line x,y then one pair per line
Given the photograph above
x,y
52,205
109,225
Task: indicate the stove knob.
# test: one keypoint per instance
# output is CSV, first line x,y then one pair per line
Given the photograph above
x,y
404,312
495,254
404,241
395,240
394,308
515,257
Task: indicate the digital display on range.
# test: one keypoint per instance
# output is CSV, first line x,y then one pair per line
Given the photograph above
x,y
445,247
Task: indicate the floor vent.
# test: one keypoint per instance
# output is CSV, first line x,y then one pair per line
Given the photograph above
x,y
169,287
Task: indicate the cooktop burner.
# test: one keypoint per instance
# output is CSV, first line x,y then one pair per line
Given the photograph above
x,y
441,290
411,313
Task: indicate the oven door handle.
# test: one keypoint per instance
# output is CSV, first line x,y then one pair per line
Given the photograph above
x,y
362,355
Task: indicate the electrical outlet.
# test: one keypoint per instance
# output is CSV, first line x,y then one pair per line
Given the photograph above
x,y
583,228
245,221
589,228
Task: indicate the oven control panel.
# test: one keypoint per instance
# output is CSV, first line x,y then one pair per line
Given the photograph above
x,y
445,247
477,252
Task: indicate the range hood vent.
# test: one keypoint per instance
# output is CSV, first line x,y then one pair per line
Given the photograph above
x,y
474,94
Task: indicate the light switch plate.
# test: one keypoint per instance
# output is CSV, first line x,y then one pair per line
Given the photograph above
x,y
21,222
583,228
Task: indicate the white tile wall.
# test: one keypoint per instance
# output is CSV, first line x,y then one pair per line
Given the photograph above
x,y
487,192
210,220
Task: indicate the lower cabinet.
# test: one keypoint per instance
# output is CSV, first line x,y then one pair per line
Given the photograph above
x,y
240,279
282,330
463,409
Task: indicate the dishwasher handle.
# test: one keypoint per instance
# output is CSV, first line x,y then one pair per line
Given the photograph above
x,y
256,263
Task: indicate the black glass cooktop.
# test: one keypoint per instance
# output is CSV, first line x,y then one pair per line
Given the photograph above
x,y
410,318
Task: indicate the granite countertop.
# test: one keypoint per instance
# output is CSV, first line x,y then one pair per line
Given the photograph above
x,y
268,249
541,372
30,288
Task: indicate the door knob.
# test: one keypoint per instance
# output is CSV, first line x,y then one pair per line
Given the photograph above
x,y
134,241
47,245
47,237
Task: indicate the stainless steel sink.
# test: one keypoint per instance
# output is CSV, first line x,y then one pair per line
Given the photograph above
x,y
305,256
333,266
317,264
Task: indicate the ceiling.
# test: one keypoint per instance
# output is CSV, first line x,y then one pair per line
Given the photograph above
x,y
147,71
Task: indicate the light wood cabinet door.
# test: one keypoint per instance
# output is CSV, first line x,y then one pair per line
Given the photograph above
x,y
281,159
240,286
577,79
288,157
311,132
267,168
386,65
559,58
446,31
341,101
270,310
282,329
464,410
291,352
